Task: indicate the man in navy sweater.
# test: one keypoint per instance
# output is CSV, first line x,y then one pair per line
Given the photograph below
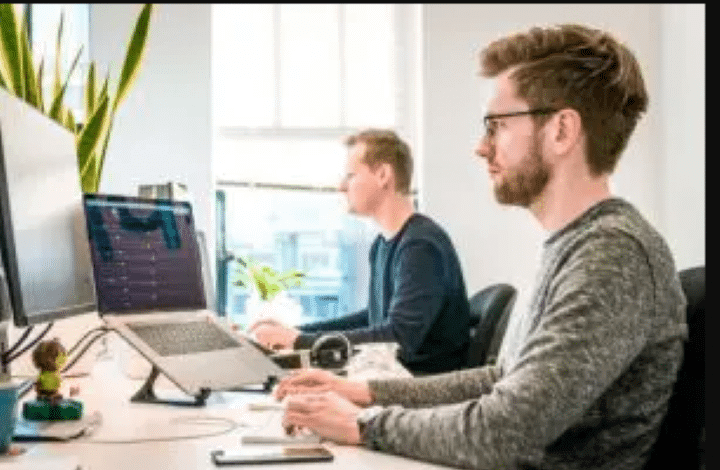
x,y
417,291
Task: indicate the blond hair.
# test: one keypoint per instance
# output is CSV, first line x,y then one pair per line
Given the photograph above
x,y
385,146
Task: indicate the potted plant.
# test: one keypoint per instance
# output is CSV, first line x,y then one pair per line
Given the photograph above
x,y
20,77
268,289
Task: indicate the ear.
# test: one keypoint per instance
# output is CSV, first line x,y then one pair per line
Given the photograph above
x,y
386,176
567,131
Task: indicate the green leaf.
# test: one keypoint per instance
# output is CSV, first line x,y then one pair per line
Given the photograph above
x,y
91,137
30,84
89,91
57,105
10,56
135,53
69,121
41,102
103,152
57,87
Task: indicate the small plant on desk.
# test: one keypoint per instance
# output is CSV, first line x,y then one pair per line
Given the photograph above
x,y
266,284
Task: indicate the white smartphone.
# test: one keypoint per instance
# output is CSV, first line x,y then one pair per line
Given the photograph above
x,y
283,455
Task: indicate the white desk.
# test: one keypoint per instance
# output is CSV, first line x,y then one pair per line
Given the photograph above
x,y
159,430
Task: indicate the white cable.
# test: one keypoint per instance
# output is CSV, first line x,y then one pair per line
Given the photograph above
x,y
231,425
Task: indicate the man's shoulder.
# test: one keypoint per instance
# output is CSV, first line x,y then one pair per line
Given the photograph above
x,y
614,222
421,227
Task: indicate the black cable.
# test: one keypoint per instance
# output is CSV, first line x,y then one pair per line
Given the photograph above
x,y
103,332
99,328
27,385
32,343
12,348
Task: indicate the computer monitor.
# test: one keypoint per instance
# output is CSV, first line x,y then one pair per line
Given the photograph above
x,y
43,235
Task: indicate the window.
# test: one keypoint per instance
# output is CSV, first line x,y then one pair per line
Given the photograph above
x,y
289,82
44,21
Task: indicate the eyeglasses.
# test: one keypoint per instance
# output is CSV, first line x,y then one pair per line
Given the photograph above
x,y
490,120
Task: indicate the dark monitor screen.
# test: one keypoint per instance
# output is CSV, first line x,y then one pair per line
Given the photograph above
x,y
43,240
145,254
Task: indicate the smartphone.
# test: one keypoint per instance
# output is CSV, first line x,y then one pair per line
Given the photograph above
x,y
284,455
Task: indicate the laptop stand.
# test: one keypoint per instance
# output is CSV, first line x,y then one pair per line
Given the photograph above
x,y
146,394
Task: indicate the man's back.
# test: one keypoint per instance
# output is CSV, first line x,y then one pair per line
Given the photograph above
x,y
582,378
608,272
417,298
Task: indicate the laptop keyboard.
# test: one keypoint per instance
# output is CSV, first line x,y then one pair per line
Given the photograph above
x,y
170,339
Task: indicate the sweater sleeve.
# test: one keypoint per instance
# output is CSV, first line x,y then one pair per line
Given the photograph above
x,y
418,297
312,331
594,324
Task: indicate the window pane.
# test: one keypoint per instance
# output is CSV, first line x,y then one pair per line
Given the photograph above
x,y
318,162
369,65
45,22
243,65
310,65
303,230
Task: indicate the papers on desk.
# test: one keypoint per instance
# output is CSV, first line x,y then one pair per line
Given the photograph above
x,y
25,462
272,432
26,430
376,361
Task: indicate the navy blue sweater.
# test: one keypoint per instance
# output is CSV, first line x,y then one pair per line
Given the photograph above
x,y
417,299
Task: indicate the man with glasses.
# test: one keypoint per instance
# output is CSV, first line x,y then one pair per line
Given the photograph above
x,y
583,376
417,291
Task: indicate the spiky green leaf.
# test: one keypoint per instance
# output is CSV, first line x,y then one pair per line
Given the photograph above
x,y
56,108
10,56
91,137
41,99
134,56
89,91
57,83
30,79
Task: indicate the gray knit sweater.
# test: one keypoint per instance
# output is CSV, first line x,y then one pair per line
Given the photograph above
x,y
582,378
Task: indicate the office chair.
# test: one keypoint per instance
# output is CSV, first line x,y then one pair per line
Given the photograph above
x,y
682,433
489,312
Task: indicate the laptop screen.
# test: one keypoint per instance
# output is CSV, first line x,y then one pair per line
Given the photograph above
x,y
145,255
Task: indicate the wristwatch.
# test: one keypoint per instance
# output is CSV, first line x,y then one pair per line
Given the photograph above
x,y
364,417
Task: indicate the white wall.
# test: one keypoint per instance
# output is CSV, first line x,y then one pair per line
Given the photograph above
x,y
682,99
502,244
163,130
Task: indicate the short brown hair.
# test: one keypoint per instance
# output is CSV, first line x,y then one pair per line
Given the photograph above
x,y
578,67
385,146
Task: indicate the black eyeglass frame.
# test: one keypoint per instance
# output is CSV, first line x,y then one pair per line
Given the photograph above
x,y
489,117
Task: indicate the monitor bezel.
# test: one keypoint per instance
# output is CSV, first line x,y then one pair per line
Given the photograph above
x,y
20,316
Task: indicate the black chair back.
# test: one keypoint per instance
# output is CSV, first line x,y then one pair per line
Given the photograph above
x,y
682,432
489,312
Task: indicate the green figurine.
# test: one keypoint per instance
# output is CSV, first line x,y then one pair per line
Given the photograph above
x,y
50,357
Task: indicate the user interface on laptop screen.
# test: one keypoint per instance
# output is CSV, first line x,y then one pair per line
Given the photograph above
x,y
145,254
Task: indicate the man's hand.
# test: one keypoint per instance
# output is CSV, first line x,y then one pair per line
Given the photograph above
x,y
313,381
274,335
327,414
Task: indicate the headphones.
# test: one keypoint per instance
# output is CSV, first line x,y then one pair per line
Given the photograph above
x,y
330,351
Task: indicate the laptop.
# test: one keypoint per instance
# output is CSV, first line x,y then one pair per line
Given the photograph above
x,y
149,285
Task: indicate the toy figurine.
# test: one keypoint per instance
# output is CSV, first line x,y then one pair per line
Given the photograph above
x,y
50,357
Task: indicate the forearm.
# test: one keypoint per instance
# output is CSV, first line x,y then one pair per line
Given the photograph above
x,y
451,387
312,331
347,322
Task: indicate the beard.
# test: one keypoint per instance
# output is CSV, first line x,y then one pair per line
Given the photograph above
x,y
526,180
